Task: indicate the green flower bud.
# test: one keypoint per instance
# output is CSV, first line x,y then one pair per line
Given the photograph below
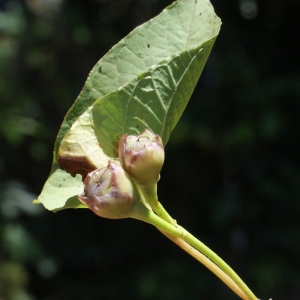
x,y
109,192
142,156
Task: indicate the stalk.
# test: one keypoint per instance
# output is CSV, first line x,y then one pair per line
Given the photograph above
x,y
208,264
205,255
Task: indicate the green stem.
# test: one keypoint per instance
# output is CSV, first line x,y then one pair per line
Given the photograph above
x,y
190,239
149,193
208,264
178,231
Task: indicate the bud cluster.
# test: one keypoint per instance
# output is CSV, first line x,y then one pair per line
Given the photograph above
x,y
110,192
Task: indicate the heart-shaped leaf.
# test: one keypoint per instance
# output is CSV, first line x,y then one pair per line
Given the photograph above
x,y
145,81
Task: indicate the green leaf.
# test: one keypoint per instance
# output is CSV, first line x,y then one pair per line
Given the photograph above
x,y
59,187
146,80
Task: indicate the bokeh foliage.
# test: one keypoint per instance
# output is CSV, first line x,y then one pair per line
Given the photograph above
x,y
231,175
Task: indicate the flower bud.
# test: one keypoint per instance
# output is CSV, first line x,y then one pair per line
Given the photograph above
x,y
142,156
109,192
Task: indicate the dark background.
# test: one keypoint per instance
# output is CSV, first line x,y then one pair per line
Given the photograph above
x,y
231,174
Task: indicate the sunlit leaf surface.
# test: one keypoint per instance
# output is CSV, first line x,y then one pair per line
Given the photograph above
x,y
146,80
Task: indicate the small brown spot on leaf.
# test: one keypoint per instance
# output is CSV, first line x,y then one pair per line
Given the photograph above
x,y
116,146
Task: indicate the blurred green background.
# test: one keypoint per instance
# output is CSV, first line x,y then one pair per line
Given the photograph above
x,y
231,175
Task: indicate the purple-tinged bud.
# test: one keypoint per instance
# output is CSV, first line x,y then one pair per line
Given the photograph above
x,y
109,192
142,156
